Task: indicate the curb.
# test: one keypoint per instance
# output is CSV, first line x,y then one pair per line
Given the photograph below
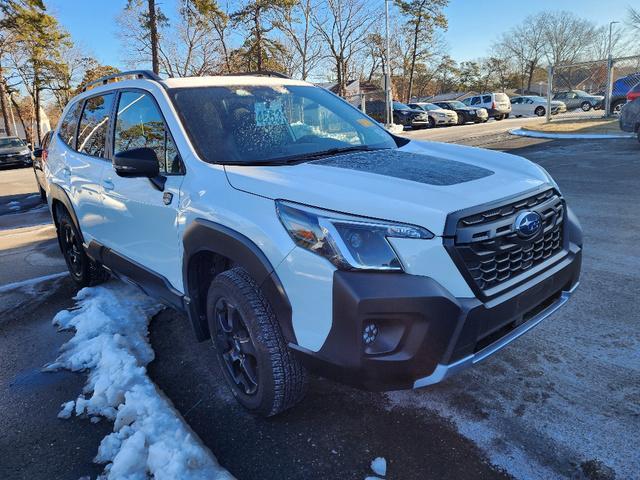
x,y
569,136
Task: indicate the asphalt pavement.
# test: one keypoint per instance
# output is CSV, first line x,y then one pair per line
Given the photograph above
x,y
561,402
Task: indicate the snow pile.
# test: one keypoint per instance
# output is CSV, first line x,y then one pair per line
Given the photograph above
x,y
149,437
379,467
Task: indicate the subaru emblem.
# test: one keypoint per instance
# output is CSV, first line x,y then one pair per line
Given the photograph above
x,y
527,224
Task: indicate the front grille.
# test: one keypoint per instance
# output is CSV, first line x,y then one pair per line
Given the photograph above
x,y
493,253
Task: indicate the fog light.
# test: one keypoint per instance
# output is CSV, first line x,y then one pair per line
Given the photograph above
x,y
370,334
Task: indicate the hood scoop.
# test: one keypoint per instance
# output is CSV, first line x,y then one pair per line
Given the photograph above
x,y
415,167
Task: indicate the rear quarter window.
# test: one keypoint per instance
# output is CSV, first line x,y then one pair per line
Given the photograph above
x,y
69,124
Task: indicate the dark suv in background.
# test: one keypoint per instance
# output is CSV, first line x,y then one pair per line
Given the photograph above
x,y
402,114
13,151
465,114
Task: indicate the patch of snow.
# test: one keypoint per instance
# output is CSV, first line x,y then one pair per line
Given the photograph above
x,y
31,282
67,409
569,136
379,466
149,438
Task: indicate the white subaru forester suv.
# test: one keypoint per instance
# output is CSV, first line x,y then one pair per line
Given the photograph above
x,y
299,235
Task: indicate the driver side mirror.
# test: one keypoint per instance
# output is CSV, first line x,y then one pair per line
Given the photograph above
x,y
137,162
37,152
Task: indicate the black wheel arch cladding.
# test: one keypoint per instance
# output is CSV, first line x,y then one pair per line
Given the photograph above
x,y
207,236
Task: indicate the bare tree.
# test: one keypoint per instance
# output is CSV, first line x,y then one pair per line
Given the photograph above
x,y
567,37
304,40
527,42
343,25
633,19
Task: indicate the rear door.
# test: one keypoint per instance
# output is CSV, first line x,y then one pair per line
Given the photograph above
x,y
141,218
517,106
85,161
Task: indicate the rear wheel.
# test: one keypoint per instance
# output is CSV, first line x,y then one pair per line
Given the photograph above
x,y
617,107
84,271
260,369
586,106
499,117
540,111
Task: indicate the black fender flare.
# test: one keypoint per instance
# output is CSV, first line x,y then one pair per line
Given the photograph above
x,y
207,236
57,193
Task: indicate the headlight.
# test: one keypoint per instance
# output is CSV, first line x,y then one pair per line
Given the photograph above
x,y
350,243
26,151
441,114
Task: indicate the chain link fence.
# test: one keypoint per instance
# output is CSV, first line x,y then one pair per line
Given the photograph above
x,y
590,90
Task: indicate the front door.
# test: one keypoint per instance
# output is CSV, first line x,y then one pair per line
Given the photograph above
x,y
141,217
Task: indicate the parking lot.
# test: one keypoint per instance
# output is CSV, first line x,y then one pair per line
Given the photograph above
x,y
561,402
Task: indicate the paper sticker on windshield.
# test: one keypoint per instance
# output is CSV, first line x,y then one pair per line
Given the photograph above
x,y
364,122
269,113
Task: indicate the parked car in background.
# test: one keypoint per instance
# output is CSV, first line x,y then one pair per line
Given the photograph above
x,y
39,157
621,89
578,99
497,105
465,114
633,94
437,115
630,117
402,114
13,151
529,105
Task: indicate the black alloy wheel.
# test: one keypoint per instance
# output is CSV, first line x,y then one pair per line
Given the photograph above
x,y
236,348
540,111
72,250
461,119
432,122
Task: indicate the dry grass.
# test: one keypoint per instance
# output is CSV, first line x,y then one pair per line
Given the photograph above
x,y
592,125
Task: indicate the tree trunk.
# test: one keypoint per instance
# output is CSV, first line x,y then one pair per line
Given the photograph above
x,y
414,54
24,125
36,103
532,67
3,106
258,28
153,31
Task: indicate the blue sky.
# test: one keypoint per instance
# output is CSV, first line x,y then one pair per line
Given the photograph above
x,y
473,25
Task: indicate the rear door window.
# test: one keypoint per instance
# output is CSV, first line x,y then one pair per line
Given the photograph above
x,y
94,125
486,99
69,125
475,101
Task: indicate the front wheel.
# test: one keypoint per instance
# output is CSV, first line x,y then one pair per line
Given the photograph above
x,y
260,369
586,106
43,194
432,122
540,111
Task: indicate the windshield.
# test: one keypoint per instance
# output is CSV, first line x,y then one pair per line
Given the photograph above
x,y
581,93
430,106
11,142
265,124
400,106
456,104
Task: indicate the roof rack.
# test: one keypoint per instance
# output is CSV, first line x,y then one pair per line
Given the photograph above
x,y
259,73
138,74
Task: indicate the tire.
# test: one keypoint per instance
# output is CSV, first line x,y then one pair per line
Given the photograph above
x,y
540,111
43,194
617,107
506,115
499,117
260,369
461,119
585,106
84,271
432,122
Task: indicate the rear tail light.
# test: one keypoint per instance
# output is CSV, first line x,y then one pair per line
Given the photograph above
x,y
44,156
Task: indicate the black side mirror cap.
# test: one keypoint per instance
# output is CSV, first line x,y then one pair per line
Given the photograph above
x,y
137,162
37,152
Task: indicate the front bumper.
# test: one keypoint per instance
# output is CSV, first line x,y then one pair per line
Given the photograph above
x,y
425,334
13,160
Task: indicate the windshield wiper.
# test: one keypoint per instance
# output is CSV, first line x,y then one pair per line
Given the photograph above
x,y
326,153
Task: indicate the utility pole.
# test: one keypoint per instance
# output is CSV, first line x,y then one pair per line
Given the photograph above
x,y
387,72
607,98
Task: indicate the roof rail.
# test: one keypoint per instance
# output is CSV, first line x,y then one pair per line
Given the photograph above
x,y
260,73
138,74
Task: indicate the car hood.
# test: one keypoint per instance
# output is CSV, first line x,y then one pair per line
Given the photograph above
x,y
11,150
419,183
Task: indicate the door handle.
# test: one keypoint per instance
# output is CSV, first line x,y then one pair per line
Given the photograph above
x,y
107,184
